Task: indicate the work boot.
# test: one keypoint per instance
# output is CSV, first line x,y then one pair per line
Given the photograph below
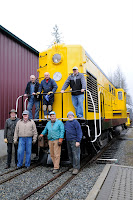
x,y
7,167
75,171
71,169
55,171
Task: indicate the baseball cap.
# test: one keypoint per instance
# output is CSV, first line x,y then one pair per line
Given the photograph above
x,y
25,112
75,67
52,113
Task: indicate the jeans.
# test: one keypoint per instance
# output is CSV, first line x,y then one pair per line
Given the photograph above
x,y
9,153
31,102
74,154
77,101
25,144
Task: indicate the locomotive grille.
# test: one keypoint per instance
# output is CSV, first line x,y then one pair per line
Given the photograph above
x,y
92,87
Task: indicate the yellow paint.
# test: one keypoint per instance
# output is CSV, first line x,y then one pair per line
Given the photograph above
x,y
74,55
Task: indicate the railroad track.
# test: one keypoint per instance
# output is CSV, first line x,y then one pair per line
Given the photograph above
x,y
69,179
17,174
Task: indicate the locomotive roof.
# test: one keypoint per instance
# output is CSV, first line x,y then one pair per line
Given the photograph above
x,y
98,67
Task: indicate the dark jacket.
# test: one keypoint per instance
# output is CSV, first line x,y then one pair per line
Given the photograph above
x,y
80,83
73,131
10,129
47,87
27,90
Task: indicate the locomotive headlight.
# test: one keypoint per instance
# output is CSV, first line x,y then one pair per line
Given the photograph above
x,y
56,58
57,76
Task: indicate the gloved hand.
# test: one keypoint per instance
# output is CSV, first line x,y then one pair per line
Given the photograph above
x,y
15,142
47,97
33,142
60,141
49,93
5,140
40,137
37,93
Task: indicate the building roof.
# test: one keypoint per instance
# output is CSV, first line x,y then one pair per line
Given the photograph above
x,y
18,40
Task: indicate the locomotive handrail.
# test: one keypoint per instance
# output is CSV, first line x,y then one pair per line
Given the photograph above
x,y
17,103
25,103
94,117
99,115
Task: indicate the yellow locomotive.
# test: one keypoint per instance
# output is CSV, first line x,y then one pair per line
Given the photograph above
x,y
104,105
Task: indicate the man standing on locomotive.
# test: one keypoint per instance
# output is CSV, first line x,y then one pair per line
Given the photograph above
x,y
49,87
8,136
31,90
78,85
55,129
26,132
73,138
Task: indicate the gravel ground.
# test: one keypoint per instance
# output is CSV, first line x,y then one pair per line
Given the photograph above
x,y
79,186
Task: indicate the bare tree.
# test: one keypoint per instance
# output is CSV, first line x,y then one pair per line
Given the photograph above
x,y
119,80
56,34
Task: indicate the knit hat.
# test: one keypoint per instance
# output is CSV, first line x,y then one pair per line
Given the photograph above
x,y
70,113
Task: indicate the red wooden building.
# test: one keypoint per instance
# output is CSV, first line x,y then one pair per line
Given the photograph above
x,y
18,61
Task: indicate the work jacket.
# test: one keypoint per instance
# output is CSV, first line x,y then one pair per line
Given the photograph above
x,y
54,132
36,89
76,85
25,129
9,129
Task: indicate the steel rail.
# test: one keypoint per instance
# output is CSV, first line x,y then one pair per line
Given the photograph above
x,y
69,179
15,175
9,172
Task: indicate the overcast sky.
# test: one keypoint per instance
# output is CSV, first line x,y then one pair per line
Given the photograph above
x,y
103,27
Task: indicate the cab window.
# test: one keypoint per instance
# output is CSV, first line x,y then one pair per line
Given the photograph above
x,y
120,95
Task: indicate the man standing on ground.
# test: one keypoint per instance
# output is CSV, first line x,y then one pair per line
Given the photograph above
x,y
73,137
26,132
78,85
8,136
49,87
31,90
55,129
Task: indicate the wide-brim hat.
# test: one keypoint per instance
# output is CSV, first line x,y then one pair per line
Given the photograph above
x,y
13,111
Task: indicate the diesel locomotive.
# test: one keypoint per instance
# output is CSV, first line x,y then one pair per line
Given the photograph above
x,y
105,112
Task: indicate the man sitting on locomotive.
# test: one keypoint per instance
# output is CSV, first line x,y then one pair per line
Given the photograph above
x,y
49,87
55,129
73,138
78,85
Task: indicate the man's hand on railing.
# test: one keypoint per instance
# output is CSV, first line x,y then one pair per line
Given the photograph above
x,y
82,90
25,95
62,91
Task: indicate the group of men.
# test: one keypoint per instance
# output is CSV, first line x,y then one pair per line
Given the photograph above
x,y
23,131
76,81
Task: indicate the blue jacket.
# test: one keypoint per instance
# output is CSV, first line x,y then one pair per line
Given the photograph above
x,y
47,87
73,131
55,132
